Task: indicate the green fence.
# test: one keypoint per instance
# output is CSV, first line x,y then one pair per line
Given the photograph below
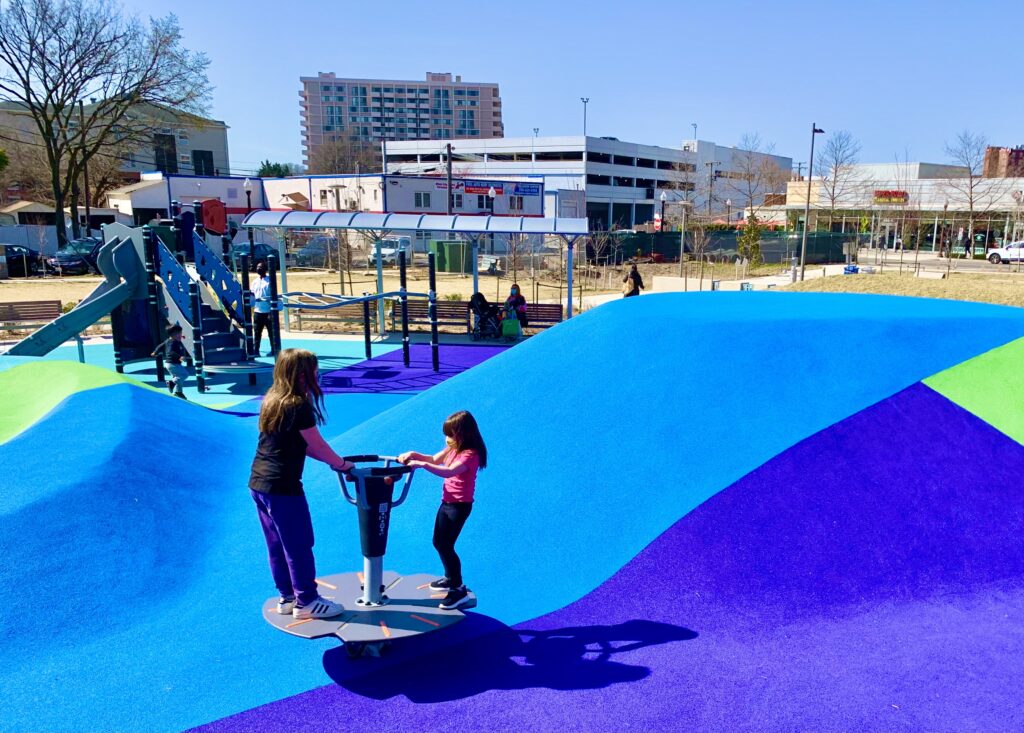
x,y
822,247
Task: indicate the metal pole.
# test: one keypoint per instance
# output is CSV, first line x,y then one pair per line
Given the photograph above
x,y
380,284
476,266
197,334
252,238
568,270
152,296
366,327
85,166
584,100
404,302
284,288
682,243
275,305
807,204
448,174
432,312
250,346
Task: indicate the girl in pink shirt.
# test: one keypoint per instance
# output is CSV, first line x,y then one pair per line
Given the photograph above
x,y
457,463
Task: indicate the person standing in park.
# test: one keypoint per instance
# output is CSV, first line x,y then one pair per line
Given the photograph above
x,y
261,308
632,283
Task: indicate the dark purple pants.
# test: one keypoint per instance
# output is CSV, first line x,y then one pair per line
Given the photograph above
x,y
288,530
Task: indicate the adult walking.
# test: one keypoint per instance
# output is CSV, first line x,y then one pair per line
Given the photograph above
x,y
632,283
261,308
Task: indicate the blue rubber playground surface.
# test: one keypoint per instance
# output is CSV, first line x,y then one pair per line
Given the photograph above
x,y
724,511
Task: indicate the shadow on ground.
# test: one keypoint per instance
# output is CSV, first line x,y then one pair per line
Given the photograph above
x,y
492,656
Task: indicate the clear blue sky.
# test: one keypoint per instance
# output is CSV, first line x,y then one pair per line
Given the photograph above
x,y
903,77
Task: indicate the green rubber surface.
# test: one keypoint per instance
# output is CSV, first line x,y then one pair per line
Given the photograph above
x,y
991,386
30,391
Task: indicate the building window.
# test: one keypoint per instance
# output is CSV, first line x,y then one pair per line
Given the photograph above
x,y
515,203
457,200
422,200
485,203
323,197
202,162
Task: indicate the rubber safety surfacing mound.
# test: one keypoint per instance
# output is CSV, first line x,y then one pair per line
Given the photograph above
x,y
725,511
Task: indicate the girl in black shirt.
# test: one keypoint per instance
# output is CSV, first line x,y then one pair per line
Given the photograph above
x,y
291,411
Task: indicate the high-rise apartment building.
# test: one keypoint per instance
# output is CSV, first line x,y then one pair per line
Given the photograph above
x,y
371,110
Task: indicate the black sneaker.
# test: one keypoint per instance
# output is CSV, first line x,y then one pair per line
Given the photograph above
x,y
456,597
441,584
170,386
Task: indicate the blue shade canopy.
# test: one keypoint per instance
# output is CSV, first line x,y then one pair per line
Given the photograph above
x,y
416,222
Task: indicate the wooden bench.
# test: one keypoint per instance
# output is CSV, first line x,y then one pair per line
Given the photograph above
x,y
17,316
449,313
352,313
543,315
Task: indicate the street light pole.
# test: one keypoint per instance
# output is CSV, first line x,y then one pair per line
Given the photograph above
x,y
584,100
807,204
85,166
662,198
694,126
728,211
711,180
247,187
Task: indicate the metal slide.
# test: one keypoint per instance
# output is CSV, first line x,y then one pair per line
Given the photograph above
x,y
119,263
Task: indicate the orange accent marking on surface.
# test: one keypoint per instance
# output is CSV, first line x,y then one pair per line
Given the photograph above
x,y
438,595
325,584
360,576
421,587
385,629
299,623
424,620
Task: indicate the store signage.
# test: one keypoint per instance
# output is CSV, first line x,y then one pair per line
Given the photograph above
x,y
478,187
891,197
527,189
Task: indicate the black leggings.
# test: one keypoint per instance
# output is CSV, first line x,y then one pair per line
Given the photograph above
x,y
451,517
261,321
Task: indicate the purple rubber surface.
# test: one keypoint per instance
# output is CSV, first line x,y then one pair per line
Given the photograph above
x,y
869,578
387,373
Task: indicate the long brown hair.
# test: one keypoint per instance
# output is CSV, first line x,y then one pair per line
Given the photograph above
x,y
462,428
295,382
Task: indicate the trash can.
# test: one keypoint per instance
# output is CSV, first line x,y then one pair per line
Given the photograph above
x,y
716,284
746,286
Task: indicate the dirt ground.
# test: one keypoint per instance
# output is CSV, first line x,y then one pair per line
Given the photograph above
x,y
455,286
1002,289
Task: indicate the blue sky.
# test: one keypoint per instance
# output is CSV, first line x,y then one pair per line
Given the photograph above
x,y
903,77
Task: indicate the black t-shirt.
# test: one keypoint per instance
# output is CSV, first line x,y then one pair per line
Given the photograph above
x,y
176,352
280,456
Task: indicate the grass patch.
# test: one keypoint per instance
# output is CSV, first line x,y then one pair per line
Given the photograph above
x,y
1001,290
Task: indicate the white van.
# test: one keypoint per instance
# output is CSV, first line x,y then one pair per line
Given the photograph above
x,y
389,249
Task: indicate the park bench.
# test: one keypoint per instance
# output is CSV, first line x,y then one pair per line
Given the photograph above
x,y
449,313
21,315
343,314
543,315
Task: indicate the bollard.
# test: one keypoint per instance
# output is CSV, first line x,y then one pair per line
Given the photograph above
x,y
432,312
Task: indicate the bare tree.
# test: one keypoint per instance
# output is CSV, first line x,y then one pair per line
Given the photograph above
x,y
56,53
973,190
342,156
754,174
838,157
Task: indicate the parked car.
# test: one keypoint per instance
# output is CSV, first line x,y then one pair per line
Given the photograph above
x,y
1009,252
316,252
22,261
77,257
389,251
261,252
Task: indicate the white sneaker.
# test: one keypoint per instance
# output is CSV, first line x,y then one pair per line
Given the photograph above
x,y
320,608
285,605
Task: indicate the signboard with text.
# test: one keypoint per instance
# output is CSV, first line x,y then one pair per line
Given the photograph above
x,y
891,197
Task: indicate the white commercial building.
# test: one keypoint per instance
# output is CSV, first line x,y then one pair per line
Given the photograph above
x,y
620,184
912,203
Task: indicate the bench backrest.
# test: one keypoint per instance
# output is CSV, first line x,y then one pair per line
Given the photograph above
x,y
36,310
544,312
351,312
446,310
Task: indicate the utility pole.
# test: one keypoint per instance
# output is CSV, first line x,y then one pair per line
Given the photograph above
x,y
85,164
448,160
799,168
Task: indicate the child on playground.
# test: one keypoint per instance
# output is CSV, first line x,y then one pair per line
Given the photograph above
x,y
291,411
174,359
457,463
